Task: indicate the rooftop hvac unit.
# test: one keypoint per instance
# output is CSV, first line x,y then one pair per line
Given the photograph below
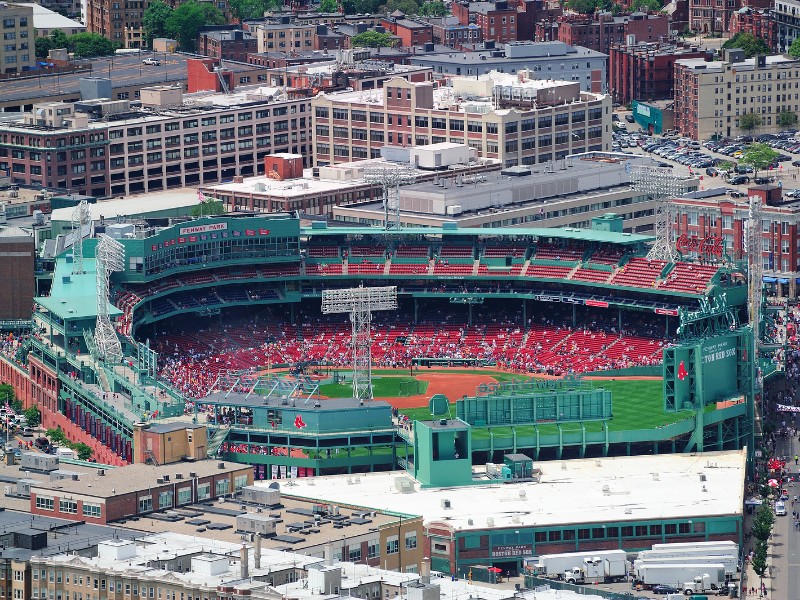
x,y
455,209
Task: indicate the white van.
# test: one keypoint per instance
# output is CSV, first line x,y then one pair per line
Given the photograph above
x,y
780,509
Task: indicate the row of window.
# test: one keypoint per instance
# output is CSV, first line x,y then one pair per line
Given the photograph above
x,y
69,506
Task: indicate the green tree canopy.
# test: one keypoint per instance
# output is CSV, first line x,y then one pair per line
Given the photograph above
x,y
84,451
758,156
352,7
794,49
749,43
328,6
57,436
434,9
749,121
251,9
33,416
210,207
185,22
83,45
584,7
787,118
646,5
371,39
154,21
408,7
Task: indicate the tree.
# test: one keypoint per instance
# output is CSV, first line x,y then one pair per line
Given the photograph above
x,y
749,43
33,416
371,39
584,7
749,122
86,45
154,21
352,7
185,22
646,5
328,6
251,9
209,207
758,156
84,451
57,436
6,393
760,558
794,49
434,9
787,118
408,7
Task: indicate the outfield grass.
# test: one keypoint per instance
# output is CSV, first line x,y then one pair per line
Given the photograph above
x,y
382,387
636,404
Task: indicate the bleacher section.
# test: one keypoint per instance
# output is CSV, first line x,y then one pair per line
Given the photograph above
x,y
560,253
639,272
587,274
548,271
688,278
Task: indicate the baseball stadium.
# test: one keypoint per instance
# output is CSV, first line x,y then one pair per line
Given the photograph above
x,y
309,350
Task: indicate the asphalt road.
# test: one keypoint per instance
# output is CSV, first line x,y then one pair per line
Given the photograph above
x,y
785,581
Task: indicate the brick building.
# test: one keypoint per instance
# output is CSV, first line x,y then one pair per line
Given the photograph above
x,y
409,31
217,136
110,495
710,97
226,45
725,219
16,272
601,32
549,120
448,31
530,12
646,71
760,23
785,13
497,20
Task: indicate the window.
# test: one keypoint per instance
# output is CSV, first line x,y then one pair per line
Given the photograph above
x,y
372,548
165,500
392,545
355,554
91,510
411,540
203,491
222,487
68,506
44,503
184,495
145,504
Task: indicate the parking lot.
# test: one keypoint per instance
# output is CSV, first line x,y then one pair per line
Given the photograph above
x,y
707,160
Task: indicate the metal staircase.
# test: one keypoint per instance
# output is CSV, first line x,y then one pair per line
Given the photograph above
x,y
220,435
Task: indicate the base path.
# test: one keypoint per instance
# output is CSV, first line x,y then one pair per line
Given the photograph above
x,y
452,385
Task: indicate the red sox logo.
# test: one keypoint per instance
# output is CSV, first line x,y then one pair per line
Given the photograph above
x,y
298,422
682,372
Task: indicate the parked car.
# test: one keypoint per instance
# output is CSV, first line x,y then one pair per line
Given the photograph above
x,y
738,180
763,180
712,171
629,118
152,61
665,589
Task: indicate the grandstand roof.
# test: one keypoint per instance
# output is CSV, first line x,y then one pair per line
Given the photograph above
x,y
567,233
618,489
135,206
74,296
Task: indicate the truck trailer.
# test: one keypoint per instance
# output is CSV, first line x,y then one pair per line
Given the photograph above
x,y
730,562
598,570
556,565
678,574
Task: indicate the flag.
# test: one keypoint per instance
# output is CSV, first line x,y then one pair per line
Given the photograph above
x,y
201,197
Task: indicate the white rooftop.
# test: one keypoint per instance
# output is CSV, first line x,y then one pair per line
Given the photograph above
x,y
134,205
44,18
665,486
747,65
289,188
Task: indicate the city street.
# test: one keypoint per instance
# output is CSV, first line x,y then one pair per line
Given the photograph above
x,y
785,560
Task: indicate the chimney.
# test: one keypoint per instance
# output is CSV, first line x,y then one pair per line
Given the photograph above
x,y
257,551
329,554
425,570
244,566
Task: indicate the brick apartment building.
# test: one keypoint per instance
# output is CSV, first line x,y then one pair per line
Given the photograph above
x,y
530,12
787,15
409,31
711,96
549,120
725,219
226,45
135,490
601,32
497,20
706,16
448,31
102,148
760,23
646,71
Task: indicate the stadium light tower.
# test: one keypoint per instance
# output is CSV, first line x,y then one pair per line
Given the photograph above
x,y
662,186
81,222
110,258
360,302
390,178
755,269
